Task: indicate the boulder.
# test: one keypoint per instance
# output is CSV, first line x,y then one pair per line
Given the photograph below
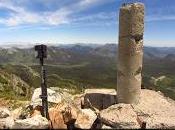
x,y
120,116
36,122
64,107
22,112
56,119
85,119
99,98
53,97
4,112
156,110
63,114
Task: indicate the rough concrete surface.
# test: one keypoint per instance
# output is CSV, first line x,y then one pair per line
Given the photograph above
x,y
130,53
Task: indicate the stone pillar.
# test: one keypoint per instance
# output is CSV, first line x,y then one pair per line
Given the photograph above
x,y
130,53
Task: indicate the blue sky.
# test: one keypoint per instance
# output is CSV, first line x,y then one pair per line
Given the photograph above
x,y
80,21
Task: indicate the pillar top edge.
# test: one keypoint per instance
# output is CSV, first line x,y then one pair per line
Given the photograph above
x,y
129,5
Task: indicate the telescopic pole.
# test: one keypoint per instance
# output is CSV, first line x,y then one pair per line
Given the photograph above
x,y
42,53
43,95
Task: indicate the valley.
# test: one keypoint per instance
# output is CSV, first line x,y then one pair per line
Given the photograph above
x,y
78,67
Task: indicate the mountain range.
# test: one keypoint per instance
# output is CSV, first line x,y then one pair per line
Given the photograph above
x,y
79,66
78,52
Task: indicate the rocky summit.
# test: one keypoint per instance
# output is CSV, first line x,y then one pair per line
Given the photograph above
x,y
154,111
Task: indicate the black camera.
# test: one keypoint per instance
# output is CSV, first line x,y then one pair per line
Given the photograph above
x,y
42,51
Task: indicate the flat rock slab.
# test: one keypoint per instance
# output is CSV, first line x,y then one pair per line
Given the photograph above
x,y
120,116
156,110
99,98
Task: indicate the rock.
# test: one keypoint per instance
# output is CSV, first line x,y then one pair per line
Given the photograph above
x,y
62,91
9,122
53,97
4,112
16,113
22,112
36,122
26,112
64,106
85,119
78,100
36,111
158,122
56,119
2,123
63,114
106,127
100,98
120,116
156,110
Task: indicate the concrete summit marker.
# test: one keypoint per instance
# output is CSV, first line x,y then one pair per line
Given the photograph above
x,y
130,53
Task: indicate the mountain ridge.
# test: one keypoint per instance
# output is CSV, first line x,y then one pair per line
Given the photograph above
x,y
78,52
82,66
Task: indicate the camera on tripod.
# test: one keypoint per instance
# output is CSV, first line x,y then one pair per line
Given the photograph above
x,y
42,51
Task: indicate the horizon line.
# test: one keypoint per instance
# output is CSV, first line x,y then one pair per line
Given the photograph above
x,y
30,44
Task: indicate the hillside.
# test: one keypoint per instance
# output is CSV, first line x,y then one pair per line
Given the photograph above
x,y
12,87
86,66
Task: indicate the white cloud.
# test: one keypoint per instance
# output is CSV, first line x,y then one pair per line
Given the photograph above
x,y
160,18
56,18
21,16
18,16
97,16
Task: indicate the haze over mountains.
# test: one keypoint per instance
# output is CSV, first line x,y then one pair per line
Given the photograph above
x,y
76,53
